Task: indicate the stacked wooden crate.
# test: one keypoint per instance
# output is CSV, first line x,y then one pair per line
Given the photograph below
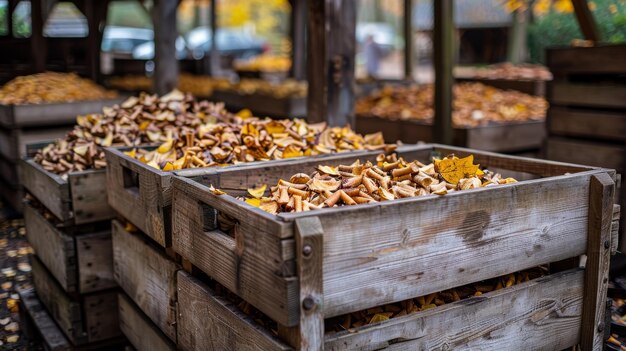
x,y
68,224
300,268
587,116
21,125
263,105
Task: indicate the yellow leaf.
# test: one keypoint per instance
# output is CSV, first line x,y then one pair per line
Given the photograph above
x,y
254,202
455,169
249,129
564,6
153,164
166,146
216,191
327,170
144,125
292,151
257,192
108,140
274,127
12,305
245,113
132,153
168,167
81,149
379,317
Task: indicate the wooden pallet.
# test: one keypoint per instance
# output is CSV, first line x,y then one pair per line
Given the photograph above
x,y
510,137
50,114
263,105
80,258
84,319
79,199
147,276
142,194
301,268
139,329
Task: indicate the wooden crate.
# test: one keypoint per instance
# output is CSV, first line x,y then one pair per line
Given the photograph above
x,y
80,258
13,141
531,87
142,194
147,276
546,315
510,137
263,105
78,199
605,125
49,114
138,328
369,255
85,319
607,59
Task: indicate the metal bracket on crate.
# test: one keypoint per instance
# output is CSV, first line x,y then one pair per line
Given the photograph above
x,y
310,252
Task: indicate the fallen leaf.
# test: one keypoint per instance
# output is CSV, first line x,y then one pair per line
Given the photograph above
x,y
13,338
3,243
12,305
254,202
245,113
7,285
216,191
292,151
12,327
5,321
8,272
24,267
328,170
379,317
453,169
11,253
258,192
166,146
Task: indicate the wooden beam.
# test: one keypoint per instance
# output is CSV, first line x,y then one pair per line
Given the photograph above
x,y
409,53
298,38
331,53
214,54
165,33
586,21
443,54
38,46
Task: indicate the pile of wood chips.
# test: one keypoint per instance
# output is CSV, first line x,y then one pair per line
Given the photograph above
x,y
51,87
138,120
474,104
255,139
283,89
361,183
506,70
264,63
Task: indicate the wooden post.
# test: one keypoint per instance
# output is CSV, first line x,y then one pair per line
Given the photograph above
x,y
586,21
331,52
95,11
165,33
601,191
310,252
443,56
298,39
516,51
39,49
409,53
214,54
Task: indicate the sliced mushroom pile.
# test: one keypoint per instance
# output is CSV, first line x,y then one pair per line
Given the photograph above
x,y
138,120
255,140
361,183
474,104
283,89
506,70
51,87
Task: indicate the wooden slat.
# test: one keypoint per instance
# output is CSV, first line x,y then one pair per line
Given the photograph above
x,y
13,142
609,95
390,128
597,59
139,330
543,314
50,189
587,123
56,249
584,152
531,87
147,276
263,105
95,262
380,253
601,190
65,311
89,197
101,316
51,335
209,322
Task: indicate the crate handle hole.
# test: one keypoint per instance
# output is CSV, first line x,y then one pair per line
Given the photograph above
x,y
215,221
131,180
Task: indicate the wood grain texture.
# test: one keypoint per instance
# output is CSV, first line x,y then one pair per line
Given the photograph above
x,y
95,262
147,276
66,312
250,264
50,189
55,249
543,314
13,141
139,329
585,152
209,322
380,253
101,315
89,197
615,229
593,60
310,253
609,95
32,311
605,125
601,190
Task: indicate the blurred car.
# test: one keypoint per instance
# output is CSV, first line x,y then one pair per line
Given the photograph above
x,y
123,40
382,33
230,42
145,51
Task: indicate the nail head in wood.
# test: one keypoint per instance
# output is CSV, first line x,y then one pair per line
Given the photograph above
x,y
307,250
607,244
600,327
308,303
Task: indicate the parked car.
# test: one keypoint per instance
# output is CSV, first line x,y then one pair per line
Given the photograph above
x,y
230,42
123,40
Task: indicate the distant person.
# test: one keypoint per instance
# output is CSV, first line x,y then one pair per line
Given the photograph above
x,y
373,53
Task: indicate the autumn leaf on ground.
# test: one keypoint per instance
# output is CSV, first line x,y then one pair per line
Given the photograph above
x,y
453,169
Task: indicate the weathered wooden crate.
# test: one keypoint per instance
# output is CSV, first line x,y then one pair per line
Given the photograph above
x,y
13,141
139,330
607,59
142,194
80,198
80,258
606,125
85,319
147,276
263,105
49,114
509,137
546,315
531,87
301,268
